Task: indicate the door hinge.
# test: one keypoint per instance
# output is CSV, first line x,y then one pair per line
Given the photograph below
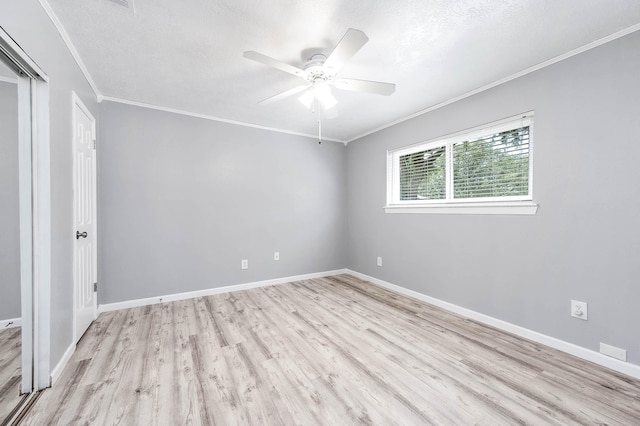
x,y
94,144
95,287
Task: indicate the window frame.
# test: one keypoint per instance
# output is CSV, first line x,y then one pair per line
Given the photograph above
x,y
520,204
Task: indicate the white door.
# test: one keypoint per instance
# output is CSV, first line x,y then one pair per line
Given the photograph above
x,y
84,208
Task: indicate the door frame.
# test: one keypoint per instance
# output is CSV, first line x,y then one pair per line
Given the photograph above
x,y
34,191
77,102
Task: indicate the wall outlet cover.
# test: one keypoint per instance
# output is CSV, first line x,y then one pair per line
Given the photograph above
x,y
579,310
613,352
244,264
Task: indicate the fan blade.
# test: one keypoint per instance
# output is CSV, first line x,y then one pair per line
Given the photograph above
x,y
283,95
351,42
376,87
274,63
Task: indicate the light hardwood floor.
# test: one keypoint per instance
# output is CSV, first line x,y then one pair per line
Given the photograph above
x,y
10,365
334,351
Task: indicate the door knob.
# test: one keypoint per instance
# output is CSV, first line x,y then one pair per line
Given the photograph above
x,y
81,234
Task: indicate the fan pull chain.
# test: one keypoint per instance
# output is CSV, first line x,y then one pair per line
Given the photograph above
x,y
319,132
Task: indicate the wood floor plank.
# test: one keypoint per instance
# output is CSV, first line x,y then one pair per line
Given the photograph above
x,y
10,370
187,409
334,350
386,366
416,369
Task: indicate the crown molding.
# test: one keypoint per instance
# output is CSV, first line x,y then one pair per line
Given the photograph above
x,y
212,118
72,49
99,97
522,73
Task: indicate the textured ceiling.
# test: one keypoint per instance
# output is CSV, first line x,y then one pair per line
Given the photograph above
x,y
187,54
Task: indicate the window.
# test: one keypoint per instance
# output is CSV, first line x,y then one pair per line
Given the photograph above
x,y
482,170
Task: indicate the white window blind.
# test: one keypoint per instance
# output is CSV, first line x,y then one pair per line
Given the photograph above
x,y
491,163
422,175
496,165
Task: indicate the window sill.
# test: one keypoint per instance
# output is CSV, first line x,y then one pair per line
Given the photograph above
x,y
504,208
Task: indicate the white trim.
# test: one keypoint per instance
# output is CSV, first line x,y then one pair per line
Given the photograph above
x,y
77,101
519,74
27,215
561,345
42,233
72,49
211,291
59,368
212,118
476,132
10,323
504,208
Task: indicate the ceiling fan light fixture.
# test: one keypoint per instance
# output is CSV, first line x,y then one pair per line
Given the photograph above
x,y
307,98
324,95
329,103
320,93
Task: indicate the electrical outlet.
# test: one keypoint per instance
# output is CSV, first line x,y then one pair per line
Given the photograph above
x,y
579,310
614,352
276,255
244,264
379,261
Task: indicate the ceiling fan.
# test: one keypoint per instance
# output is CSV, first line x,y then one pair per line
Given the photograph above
x,y
321,72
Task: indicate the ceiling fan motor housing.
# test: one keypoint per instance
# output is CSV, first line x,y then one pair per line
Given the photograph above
x,y
316,71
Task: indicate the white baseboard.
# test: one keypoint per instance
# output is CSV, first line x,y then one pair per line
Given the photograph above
x,y
629,369
10,323
210,291
57,371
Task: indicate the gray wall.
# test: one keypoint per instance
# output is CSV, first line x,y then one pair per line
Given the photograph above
x,y
583,244
9,212
182,200
28,24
